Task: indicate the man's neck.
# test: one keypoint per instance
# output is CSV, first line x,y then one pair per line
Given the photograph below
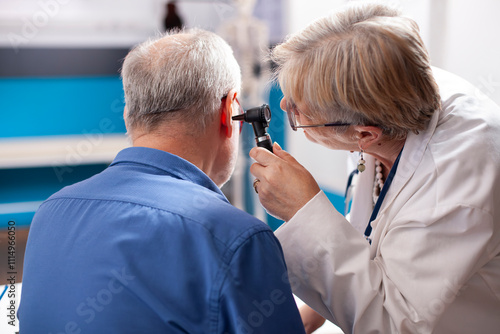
x,y
195,150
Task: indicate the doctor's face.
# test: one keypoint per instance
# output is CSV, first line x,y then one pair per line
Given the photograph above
x,y
325,136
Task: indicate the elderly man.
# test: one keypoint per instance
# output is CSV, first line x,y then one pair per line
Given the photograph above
x,y
151,245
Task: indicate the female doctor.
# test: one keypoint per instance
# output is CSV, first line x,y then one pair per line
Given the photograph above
x,y
421,252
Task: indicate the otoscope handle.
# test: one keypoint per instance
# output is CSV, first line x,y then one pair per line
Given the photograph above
x,y
265,142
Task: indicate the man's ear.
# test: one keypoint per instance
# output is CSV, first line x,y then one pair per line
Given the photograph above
x,y
125,117
229,106
367,136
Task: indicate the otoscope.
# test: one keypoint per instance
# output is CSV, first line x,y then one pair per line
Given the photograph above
x,y
259,117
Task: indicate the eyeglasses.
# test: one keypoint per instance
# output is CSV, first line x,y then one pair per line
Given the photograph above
x,y
241,111
291,111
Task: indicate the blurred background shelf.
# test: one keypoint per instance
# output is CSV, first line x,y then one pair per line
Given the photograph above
x,y
60,150
32,169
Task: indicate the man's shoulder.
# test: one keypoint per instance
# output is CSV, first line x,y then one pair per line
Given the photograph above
x,y
161,198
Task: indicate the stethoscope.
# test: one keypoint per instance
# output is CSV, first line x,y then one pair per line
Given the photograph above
x,y
349,191
349,194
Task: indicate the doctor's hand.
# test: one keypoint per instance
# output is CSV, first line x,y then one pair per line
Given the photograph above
x,y
284,186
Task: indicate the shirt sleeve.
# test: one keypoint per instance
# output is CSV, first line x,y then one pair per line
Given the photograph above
x,y
396,291
256,296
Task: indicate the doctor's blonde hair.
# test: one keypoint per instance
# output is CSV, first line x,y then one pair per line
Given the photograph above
x,y
363,65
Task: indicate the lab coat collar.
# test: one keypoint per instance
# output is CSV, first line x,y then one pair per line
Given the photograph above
x,y
167,163
412,155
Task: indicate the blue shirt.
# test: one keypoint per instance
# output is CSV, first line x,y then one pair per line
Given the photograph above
x,y
151,245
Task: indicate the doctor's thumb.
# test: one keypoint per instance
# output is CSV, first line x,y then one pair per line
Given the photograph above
x,y
279,152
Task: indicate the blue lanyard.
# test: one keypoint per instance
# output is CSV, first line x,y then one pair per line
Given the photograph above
x,y
347,197
381,197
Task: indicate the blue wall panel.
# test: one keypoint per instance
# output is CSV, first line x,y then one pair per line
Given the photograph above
x,y
36,184
60,106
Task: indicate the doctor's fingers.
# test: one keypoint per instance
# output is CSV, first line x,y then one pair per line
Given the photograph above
x,y
262,156
273,191
263,173
265,157
285,177
271,170
270,182
282,188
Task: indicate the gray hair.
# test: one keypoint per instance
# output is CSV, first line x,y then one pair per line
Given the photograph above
x,y
179,76
364,65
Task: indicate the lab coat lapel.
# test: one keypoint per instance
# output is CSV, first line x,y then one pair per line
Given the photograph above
x,y
411,157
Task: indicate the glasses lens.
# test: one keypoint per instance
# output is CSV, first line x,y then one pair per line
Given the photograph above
x,y
290,111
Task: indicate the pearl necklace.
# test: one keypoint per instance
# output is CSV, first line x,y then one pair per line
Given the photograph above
x,y
378,184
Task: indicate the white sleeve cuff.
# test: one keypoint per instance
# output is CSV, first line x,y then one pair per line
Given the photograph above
x,y
318,205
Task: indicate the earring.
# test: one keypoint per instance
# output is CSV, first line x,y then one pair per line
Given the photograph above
x,y
361,163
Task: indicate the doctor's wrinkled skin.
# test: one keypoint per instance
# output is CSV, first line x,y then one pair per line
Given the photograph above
x,y
420,250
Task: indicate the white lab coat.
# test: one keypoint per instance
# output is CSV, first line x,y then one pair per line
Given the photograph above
x,y
434,263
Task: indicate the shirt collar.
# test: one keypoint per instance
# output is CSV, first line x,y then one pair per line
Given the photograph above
x,y
169,163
